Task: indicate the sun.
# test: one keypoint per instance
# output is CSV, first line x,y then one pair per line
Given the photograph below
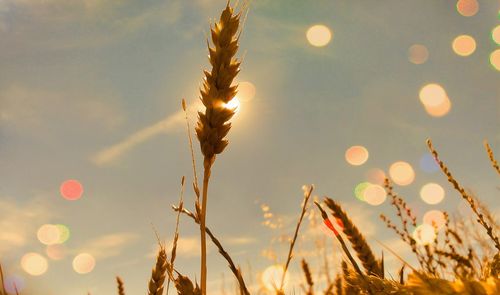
x,y
234,104
271,277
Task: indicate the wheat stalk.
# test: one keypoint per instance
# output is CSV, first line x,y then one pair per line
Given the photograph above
x,y
173,253
307,196
4,292
466,196
358,242
236,271
120,285
158,274
213,124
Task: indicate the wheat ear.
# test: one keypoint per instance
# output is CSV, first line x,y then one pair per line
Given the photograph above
x,y
358,241
158,273
493,161
213,124
466,196
308,276
120,285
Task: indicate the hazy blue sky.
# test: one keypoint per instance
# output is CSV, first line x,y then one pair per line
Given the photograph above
x,y
79,77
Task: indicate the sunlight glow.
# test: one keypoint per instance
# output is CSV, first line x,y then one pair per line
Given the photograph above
x,y
464,45
424,234
319,35
374,194
495,59
467,7
34,264
418,54
356,155
402,173
271,277
432,193
83,263
71,190
434,218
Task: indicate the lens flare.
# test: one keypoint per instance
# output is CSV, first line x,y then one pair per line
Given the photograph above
x,y
83,263
402,173
418,54
246,91
34,264
13,284
495,35
374,194
424,234
271,277
48,234
319,35
356,155
434,218
440,110
359,190
432,193
71,190
464,45
467,7
376,176
432,95
435,100
64,233
495,59
56,252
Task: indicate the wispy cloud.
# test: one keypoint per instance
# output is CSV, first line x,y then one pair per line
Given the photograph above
x,y
172,122
187,247
108,245
28,108
19,223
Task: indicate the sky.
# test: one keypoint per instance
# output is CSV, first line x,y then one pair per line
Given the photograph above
x,y
90,90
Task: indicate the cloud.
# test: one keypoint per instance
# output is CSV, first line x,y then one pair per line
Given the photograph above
x,y
172,122
239,241
19,222
187,247
108,245
27,108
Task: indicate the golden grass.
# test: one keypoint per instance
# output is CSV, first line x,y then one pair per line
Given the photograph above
x,y
120,286
363,251
466,196
493,161
307,196
449,265
158,274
